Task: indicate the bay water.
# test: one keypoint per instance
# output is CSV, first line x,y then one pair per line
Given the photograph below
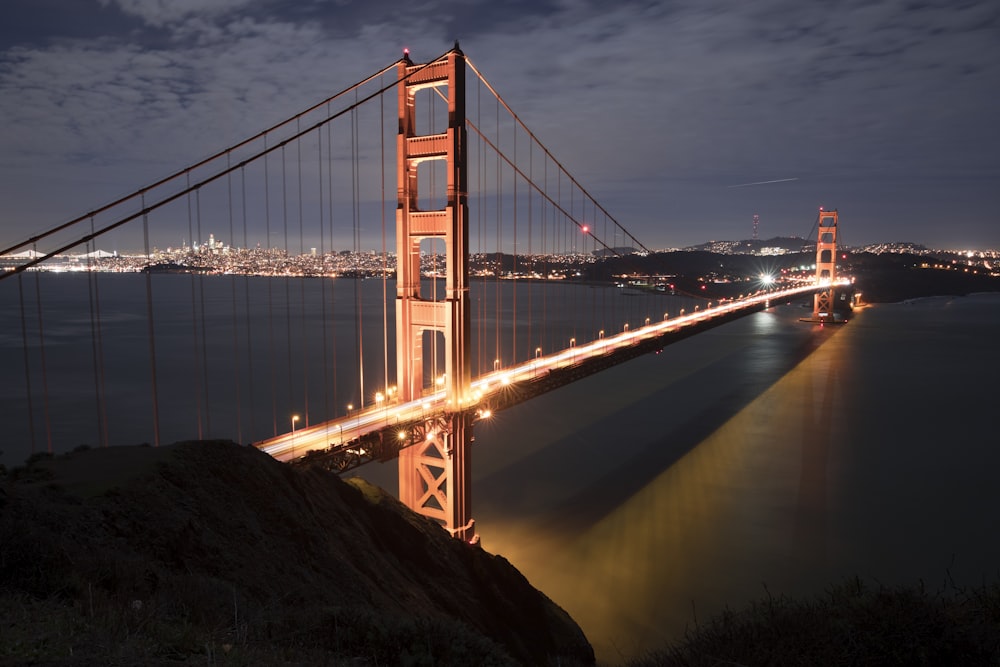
x,y
766,456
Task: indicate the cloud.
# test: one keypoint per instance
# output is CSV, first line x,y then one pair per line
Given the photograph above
x,y
160,13
643,102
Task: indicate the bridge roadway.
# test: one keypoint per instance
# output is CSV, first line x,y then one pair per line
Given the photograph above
x,y
380,431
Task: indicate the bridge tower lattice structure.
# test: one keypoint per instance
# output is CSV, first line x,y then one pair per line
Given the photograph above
x,y
826,264
434,474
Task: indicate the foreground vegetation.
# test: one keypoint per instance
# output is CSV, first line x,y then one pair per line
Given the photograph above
x,y
174,556
213,554
853,624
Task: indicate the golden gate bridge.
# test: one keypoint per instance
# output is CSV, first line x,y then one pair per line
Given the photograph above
x,y
398,180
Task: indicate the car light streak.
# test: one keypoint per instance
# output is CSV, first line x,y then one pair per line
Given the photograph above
x,y
341,431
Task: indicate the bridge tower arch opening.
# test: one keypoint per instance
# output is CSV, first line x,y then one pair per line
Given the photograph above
x,y
826,265
435,473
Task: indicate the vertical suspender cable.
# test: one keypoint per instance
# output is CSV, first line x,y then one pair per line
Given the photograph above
x,y
97,347
93,340
27,365
593,272
287,279
385,260
45,376
302,288
572,245
151,330
232,301
326,412
272,364
480,185
513,282
195,377
559,241
333,285
499,255
356,220
204,327
246,309
604,292
531,257
545,252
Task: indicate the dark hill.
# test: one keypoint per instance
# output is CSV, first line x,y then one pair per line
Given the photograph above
x,y
211,553
893,277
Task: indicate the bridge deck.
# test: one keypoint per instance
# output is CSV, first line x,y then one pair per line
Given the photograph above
x,y
379,432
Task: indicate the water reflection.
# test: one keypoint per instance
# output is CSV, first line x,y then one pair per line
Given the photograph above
x,y
681,517
819,454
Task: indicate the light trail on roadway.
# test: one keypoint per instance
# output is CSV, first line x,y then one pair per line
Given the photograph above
x,y
385,414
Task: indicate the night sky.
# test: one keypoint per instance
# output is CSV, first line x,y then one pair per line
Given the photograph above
x,y
683,119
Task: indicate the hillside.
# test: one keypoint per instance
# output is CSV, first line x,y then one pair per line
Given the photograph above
x,y
211,553
889,278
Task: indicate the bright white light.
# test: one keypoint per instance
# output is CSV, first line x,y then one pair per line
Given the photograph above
x,y
766,279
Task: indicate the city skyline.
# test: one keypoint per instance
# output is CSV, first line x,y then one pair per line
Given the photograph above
x,y
683,121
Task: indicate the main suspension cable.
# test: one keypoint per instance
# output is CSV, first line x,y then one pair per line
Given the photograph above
x,y
518,120
39,258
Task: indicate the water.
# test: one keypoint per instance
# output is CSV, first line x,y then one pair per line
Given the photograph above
x,y
765,455
236,357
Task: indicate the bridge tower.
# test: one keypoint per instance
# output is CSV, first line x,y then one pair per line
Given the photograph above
x,y
826,262
434,474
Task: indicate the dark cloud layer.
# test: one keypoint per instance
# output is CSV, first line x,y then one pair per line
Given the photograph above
x,y
885,110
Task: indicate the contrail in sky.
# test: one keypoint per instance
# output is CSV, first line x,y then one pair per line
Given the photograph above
x,y
778,180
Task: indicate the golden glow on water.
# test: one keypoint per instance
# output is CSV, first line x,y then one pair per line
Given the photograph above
x,y
742,509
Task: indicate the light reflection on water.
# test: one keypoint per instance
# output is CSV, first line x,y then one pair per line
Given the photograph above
x,y
865,453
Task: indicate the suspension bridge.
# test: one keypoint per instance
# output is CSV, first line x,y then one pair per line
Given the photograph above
x,y
363,281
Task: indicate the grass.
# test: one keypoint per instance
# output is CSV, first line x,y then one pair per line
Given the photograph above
x,y
97,628
217,555
852,624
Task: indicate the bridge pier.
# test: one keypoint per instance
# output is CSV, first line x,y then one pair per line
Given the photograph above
x,y
434,475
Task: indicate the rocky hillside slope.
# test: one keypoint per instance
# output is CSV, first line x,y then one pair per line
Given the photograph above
x,y
211,553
